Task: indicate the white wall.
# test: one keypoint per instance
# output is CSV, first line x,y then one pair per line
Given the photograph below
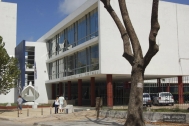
x,y
42,75
8,98
172,37
8,20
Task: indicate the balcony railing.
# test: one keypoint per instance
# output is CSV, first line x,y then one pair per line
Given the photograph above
x,y
75,71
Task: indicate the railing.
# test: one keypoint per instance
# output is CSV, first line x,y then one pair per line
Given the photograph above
x,y
75,71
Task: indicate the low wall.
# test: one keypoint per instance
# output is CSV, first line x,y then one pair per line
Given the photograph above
x,y
148,116
23,106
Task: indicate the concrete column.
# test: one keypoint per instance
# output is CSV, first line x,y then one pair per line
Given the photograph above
x,y
168,87
180,90
159,84
109,90
93,91
80,92
53,91
69,90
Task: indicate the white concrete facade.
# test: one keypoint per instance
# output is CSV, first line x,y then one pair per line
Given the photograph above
x,y
170,61
171,38
8,16
41,68
8,21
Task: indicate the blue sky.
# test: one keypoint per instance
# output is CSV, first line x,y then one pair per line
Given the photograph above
x,y
36,17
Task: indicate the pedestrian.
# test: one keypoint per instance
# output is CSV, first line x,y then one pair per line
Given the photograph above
x,y
56,105
61,101
19,102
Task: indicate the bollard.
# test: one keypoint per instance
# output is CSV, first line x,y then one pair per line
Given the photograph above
x,y
50,110
18,111
27,112
41,111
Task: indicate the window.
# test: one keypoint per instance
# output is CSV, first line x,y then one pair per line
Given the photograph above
x,y
94,58
70,39
82,30
81,62
79,32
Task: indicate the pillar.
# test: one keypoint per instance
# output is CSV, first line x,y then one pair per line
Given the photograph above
x,y
109,90
69,90
180,90
93,91
168,87
80,92
53,91
159,84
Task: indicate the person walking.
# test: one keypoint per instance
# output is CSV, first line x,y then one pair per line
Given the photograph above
x,y
61,101
19,102
56,105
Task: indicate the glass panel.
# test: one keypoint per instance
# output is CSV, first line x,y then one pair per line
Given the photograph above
x,y
70,39
54,46
75,34
81,62
93,23
57,44
57,69
50,71
50,48
54,70
61,41
81,30
94,58
60,68
70,66
65,68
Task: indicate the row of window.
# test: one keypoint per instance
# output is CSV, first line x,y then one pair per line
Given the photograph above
x,y
79,32
79,62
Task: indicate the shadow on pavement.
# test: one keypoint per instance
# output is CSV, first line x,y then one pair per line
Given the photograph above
x,y
103,122
6,110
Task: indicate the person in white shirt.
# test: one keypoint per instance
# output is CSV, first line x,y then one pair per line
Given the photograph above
x,y
56,105
61,101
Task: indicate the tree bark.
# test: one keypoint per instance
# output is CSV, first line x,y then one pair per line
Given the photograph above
x,y
135,107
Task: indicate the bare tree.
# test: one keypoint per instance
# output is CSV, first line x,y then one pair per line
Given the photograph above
x,y
133,53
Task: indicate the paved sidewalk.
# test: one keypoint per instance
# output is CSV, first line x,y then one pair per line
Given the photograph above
x,y
30,112
84,116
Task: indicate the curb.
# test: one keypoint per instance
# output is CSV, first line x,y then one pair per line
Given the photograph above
x,y
4,118
148,116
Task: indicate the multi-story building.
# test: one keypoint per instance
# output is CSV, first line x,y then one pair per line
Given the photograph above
x,y
84,52
8,20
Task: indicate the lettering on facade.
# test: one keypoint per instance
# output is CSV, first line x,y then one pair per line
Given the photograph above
x,y
174,118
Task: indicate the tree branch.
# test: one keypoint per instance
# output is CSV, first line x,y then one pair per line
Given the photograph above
x,y
131,32
127,47
153,47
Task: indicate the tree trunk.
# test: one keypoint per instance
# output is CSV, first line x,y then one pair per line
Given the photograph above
x,y
135,56
135,108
